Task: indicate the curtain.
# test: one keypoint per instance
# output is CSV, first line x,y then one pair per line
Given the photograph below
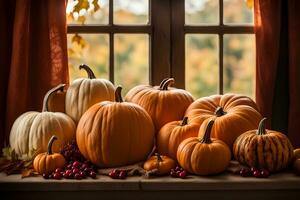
x,y
33,56
277,29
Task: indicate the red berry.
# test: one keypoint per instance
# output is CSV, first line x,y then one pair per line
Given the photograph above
x,y
68,171
182,174
93,174
56,176
113,174
257,174
76,164
173,174
245,172
82,174
58,170
83,166
253,169
122,175
117,171
75,171
77,176
264,173
46,176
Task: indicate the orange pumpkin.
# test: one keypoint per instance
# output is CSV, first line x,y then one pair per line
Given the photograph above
x,y
163,164
56,101
263,148
163,103
233,115
85,92
45,163
296,153
204,155
112,134
172,134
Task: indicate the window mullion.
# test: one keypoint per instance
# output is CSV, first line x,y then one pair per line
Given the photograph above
x,y
111,42
221,62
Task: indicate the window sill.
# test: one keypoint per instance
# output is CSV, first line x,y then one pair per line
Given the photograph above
x,y
224,185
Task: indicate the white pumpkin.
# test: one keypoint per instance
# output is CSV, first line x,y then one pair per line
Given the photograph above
x,y
32,130
85,92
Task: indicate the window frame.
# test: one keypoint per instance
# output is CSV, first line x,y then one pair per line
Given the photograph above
x,y
166,29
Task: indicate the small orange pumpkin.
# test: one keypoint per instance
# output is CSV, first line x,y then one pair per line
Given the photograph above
x,y
45,163
172,134
204,156
163,103
163,164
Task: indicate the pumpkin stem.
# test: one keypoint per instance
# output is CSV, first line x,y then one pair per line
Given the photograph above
x,y
60,87
220,112
88,70
262,127
184,121
118,95
168,83
159,159
162,83
49,152
206,138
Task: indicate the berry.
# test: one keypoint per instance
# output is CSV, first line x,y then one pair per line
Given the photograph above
x,y
56,176
58,170
93,174
113,174
245,172
182,174
122,174
82,174
77,176
76,164
173,174
257,174
264,173
75,171
253,169
46,176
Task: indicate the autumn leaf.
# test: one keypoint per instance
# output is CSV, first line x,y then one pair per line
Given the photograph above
x,y
79,40
250,3
28,173
96,5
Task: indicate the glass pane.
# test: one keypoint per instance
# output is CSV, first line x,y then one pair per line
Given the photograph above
x,y
238,11
131,11
201,12
239,64
87,12
131,60
91,49
202,68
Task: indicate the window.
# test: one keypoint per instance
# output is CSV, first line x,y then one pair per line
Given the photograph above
x,y
206,45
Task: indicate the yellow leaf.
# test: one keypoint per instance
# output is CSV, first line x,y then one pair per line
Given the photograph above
x,y
250,3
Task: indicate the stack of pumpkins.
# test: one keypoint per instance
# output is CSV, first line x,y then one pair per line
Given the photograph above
x,y
200,135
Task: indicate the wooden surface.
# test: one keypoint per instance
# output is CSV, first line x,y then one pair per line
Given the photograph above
x,y
226,186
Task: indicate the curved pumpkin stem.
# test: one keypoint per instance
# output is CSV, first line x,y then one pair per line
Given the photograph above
x,y
220,112
162,83
262,127
88,70
184,121
50,143
168,83
206,138
159,159
60,87
118,95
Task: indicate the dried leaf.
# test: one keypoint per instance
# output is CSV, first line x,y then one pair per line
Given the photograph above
x,y
82,4
28,173
96,5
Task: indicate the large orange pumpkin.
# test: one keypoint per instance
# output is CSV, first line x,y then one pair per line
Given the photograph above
x,y
172,134
233,114
85,92
112,134
163,103
204,155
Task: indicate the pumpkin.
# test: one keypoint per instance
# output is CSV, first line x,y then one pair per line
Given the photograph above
x,y
85,92
264,149
233,115
163,103
205,155
163,164
47,162
56,101
32,130
296,153
112,134
296,166
172,134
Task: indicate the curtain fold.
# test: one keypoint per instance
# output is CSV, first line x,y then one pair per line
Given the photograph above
x,y
277,29
37,60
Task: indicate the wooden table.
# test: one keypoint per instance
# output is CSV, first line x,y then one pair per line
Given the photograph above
x,y
224,186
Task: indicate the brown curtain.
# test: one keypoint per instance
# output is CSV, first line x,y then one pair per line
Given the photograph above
x,y
277,29
33,54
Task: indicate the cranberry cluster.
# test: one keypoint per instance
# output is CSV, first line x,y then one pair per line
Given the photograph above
x,y
74,170
117,174
71,152
258,173
178,172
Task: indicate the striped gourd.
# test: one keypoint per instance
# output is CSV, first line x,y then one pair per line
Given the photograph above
x,y
262,148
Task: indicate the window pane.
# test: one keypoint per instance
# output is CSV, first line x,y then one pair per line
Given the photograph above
x,y
131,11
131,60
201,12
201,72
238,11
87,12
91,49
239,64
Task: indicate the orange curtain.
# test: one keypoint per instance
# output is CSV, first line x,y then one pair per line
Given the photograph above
x,y
277,29
33,56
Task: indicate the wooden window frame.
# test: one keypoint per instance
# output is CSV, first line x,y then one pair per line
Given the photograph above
x,y
166,29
